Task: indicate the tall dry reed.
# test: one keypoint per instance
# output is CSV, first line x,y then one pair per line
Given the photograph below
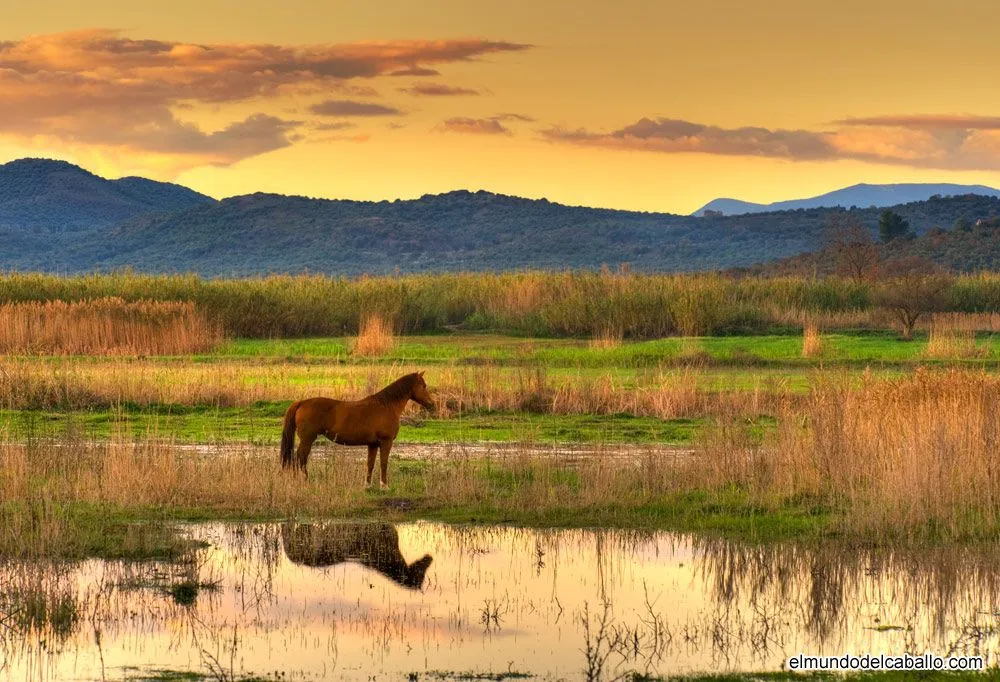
x,y
953,336
375,337
911,456
607,338
812,342
30,383
45,484
528,303
105,326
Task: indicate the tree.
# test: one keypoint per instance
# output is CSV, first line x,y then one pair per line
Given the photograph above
x,y
910,288
962,224
891,226
850,243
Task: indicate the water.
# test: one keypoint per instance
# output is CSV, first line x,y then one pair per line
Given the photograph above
x,y
375,601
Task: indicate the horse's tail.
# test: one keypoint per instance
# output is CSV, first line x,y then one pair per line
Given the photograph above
x,y
288,434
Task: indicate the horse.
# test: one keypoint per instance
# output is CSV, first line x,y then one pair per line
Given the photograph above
x,y
373,545
371,421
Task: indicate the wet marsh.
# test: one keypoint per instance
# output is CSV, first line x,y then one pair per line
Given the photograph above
x,y
346,600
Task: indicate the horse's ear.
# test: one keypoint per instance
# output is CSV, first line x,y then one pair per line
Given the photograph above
x,y
420,374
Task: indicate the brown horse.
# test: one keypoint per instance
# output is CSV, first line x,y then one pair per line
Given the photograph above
x,y
373,545
371,421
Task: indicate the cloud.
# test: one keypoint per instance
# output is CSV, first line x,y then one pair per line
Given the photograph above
x,y
98,87
927,121
415,71
333,125
476,126
514,117
437,90
491,125
920,141
346,107
675,136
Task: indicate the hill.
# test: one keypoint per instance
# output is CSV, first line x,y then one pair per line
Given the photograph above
x,y
861,196
469,231
55,196
69,220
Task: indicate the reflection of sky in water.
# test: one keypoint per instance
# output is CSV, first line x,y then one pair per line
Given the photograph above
x,y
498,599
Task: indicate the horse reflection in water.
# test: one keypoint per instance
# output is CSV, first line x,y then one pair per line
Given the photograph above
x,y
373,545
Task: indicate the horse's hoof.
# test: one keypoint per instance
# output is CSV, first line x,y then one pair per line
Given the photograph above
x,y
383,485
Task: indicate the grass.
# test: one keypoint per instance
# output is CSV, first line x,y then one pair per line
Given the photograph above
x,y
260,424
908,459
375,337
80,498
105,326
852,348
812,342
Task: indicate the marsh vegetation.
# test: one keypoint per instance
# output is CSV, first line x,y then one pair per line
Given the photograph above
x,y
786,420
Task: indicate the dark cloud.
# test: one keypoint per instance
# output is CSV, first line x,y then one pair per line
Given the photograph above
x,y
347,107
437,90
415,71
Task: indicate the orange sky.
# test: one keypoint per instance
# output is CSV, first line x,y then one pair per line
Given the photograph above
x,y
641,105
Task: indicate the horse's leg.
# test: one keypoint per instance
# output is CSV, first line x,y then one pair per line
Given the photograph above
x,y
372,451
302,454
384,447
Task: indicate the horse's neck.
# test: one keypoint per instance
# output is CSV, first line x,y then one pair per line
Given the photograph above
x,y
397,403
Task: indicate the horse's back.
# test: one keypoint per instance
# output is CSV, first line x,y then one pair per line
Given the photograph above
x,y
348,422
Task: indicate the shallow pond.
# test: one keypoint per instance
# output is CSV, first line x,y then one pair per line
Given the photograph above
x,y
377,601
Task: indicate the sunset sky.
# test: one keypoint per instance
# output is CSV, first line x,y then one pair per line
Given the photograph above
x,y
640,105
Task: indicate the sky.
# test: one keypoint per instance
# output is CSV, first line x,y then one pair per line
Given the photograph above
x,y
640,105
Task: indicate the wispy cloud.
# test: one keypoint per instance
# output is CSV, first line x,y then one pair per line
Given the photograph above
x,y
97,87
474,126
675,136
920,141
515,117
333,125
490,125
927,121
437,90
415,71
346,107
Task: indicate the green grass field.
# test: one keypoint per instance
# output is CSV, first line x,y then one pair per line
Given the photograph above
x,y
881,347
261,424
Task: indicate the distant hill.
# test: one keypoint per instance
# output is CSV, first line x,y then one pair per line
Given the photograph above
x,y
462,230
55,196
861,196
56,217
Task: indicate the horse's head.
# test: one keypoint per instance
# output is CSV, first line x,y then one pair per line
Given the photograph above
x,y
416,571
419,392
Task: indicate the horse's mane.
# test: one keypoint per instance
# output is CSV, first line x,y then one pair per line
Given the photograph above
x,y
397,390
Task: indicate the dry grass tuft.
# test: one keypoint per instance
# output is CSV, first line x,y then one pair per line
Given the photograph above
x,y
106,326
607,338
812,342
375,337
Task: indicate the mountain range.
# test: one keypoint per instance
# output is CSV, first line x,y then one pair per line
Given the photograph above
x,y
57,217
861,195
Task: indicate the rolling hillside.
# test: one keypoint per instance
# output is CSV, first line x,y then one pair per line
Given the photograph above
x,y
58,218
